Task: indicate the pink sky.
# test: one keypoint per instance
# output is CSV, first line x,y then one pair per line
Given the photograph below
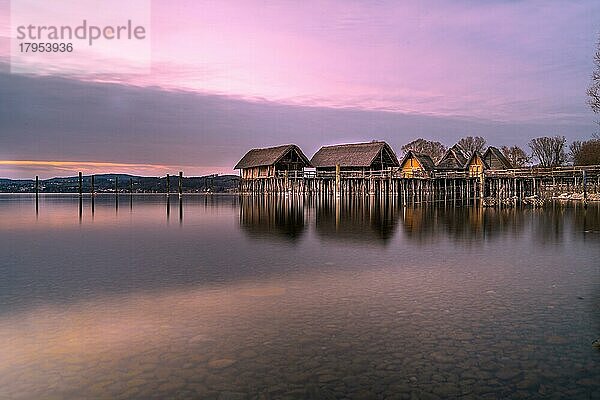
x,y
489,60
501,61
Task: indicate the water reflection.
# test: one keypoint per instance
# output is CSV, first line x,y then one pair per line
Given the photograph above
x,y
347,298
180,210
375,220
356,218
588,222
168,207
265,217
470,224
371,219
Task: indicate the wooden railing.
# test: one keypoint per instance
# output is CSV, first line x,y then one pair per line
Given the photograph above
x,y
397,173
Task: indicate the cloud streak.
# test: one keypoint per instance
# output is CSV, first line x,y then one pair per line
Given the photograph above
x,y
105,125
526,61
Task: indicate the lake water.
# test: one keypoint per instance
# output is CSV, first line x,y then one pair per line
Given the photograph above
x,y
219,297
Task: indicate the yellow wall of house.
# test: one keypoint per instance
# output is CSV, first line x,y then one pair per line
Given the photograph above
x,y
410,166
476,167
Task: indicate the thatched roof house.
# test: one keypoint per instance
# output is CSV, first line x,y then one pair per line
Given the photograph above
x,y
355,157
476,164
455,159
265,162
414,163
491,159
494,159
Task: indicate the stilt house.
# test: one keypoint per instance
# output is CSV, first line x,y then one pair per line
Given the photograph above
x,y
494,159
455,159
371,156
267,162
476,165
416,164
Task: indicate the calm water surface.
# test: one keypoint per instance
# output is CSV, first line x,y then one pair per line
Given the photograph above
x,y
225,298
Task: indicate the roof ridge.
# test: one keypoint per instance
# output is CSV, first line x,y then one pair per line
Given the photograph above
x,y
354,144
268,155
272,147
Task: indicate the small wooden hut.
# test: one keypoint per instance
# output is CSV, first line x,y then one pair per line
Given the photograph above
x,y
416,164
494,159
266,162
476,165
455,159
371,156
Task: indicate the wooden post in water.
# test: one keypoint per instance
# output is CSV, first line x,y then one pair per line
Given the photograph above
x,y
584,189
116,193
168,184
93,189
130,193
520,191
445,191
337,180
180,182
37,191
80,184
454,190
468,190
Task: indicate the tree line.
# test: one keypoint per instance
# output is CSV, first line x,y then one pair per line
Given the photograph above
x,y
545,151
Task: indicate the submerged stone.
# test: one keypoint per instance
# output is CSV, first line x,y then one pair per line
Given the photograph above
x,y
507,374
221,363
556,339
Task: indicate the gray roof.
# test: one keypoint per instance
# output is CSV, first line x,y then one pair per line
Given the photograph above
x,y
477,154
351,155
268,156
455,158
499,157
424,159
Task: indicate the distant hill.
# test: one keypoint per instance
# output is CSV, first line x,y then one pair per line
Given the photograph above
x,y
125,184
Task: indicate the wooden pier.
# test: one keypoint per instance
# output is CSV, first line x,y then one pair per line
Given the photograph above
x,y
490,187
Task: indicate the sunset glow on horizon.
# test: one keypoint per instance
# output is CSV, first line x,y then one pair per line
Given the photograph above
x,y
52,169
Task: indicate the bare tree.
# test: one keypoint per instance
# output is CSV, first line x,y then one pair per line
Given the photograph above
x,y
594,89
516,155
549,151
471,144
574,149
585,153
435,150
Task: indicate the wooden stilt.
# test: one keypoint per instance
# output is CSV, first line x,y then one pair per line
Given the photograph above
x,y
180,183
